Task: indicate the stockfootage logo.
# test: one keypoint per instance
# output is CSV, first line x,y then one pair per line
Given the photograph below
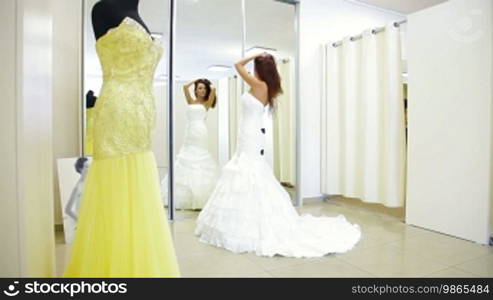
x,y
11,290
464,29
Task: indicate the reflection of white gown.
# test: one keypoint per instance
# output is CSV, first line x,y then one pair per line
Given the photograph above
x,y
195,171
249,211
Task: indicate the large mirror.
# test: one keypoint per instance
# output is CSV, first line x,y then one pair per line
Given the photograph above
x,y
210,37
208,41
280,41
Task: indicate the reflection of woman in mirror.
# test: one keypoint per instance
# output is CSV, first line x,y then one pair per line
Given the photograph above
x,y
249,211
196,171
205,93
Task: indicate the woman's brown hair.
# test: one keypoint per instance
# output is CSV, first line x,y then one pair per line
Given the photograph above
x,y
266,69
207,84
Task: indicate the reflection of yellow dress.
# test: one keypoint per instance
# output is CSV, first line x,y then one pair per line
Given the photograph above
x,y
122,229
88,145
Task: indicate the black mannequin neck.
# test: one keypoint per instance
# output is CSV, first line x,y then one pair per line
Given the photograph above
x,y
107,14
127,4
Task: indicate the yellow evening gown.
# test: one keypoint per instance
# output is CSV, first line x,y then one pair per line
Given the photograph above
x,y
122,229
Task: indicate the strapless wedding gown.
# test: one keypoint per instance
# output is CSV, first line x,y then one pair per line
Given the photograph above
x,y
122,230
249,211
196,172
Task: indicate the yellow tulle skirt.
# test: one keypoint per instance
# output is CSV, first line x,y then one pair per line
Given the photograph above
x,y
122,230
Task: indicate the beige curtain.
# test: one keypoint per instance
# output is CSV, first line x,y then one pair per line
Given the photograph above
x,y
363,130
234,111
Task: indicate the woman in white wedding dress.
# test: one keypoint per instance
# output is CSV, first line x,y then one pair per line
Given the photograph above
x,y
249,211
196,172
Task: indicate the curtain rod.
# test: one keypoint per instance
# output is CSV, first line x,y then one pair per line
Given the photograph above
x,y
374,31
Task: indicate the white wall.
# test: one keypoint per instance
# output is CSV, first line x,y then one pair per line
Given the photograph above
x,y
323,21
26,212
67,35
9,229
450,118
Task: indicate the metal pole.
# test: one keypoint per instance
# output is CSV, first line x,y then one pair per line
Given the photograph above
x,y
171,159
244,36
299,198
374,31
82,130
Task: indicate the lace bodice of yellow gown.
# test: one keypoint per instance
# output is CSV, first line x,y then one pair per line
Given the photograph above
x,y
124,116
122,229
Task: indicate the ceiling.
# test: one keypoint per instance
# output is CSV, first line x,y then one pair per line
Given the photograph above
x,y
401,6
209,33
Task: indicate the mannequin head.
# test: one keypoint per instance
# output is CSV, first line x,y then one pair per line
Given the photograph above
x,y
79,164
130,4
90,99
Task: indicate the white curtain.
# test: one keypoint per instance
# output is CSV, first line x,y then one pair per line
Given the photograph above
x,y
363,130
234,86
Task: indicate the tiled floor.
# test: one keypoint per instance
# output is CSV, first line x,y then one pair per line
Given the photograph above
x,y
389,248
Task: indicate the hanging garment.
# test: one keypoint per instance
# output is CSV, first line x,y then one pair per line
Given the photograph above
x,y
122,229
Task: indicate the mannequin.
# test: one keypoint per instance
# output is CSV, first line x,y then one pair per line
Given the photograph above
x,y
107,14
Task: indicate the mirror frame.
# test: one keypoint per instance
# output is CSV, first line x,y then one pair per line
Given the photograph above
x,y
82,129
170,111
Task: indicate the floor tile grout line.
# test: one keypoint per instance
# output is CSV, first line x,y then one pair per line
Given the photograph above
x,y
269,269
340,261
454,268
432,258
418,254
479,257
457,266
315,262
292,265
357,267
400,250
